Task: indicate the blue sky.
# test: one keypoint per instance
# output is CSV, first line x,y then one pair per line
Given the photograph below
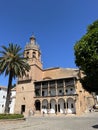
x,y
56,24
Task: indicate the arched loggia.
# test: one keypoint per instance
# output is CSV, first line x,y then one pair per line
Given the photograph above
x,y
71,106
37,105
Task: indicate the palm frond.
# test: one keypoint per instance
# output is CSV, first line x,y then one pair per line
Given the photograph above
x,y
13,61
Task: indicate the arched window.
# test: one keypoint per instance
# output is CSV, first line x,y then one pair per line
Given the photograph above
x,y
27,55
34,54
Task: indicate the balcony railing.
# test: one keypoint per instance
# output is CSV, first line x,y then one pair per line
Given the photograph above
x,y
69,83
54,95
44,86
24,79
52,85
37,87
60,85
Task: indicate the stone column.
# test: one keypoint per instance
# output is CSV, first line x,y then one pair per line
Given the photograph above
x,y
57,106
56,88
66,106
64,86
41,90
48,89
48,106
40,106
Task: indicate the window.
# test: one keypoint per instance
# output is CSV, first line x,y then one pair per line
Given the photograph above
x,y
37,92
45,85
60,91
2,105
52,83
43,93
27,55
0,88
34,54
3,97
22,108
66,91
60,83
37,85
71,89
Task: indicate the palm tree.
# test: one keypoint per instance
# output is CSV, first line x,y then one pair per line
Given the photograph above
x,y
13,64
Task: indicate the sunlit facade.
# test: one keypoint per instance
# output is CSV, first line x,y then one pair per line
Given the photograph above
x,y
50,91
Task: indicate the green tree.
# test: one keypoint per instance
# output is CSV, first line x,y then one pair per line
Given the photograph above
x,y
12,63
86,57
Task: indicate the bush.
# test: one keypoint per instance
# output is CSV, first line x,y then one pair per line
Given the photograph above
x,y
11,116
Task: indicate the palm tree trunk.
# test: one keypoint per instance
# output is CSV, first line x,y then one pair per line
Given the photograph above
x,y
8,93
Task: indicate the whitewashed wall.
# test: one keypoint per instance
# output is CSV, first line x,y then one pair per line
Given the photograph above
x,y
3,93
13,97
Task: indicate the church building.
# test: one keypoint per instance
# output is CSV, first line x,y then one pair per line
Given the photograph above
x,y
49,91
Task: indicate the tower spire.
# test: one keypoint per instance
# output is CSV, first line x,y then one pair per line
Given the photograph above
x,y
32,39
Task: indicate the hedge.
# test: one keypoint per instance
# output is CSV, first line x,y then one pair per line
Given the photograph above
x,y
11,116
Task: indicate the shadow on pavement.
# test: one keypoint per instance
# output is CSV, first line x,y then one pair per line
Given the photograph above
x,y
95,126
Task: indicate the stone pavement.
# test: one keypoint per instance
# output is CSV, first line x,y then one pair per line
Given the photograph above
x,y
88,121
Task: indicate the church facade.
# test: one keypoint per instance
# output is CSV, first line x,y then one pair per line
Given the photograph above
x,y
50,91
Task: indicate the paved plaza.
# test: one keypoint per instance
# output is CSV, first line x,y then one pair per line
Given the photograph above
x,y
88,121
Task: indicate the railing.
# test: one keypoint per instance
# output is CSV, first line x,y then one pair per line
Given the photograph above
x,y
37,95
60,85
54,95
69,83
61,94
44,86
37,87
52,85
24,78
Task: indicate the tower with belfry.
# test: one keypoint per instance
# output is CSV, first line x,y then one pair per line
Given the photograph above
x,y
50,91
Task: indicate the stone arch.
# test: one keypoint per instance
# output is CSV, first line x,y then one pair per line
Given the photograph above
x,y
45,106
61,105
71,106
53,106
37,105
46,78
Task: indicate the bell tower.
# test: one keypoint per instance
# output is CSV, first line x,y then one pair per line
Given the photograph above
x,y
33,54
25,85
